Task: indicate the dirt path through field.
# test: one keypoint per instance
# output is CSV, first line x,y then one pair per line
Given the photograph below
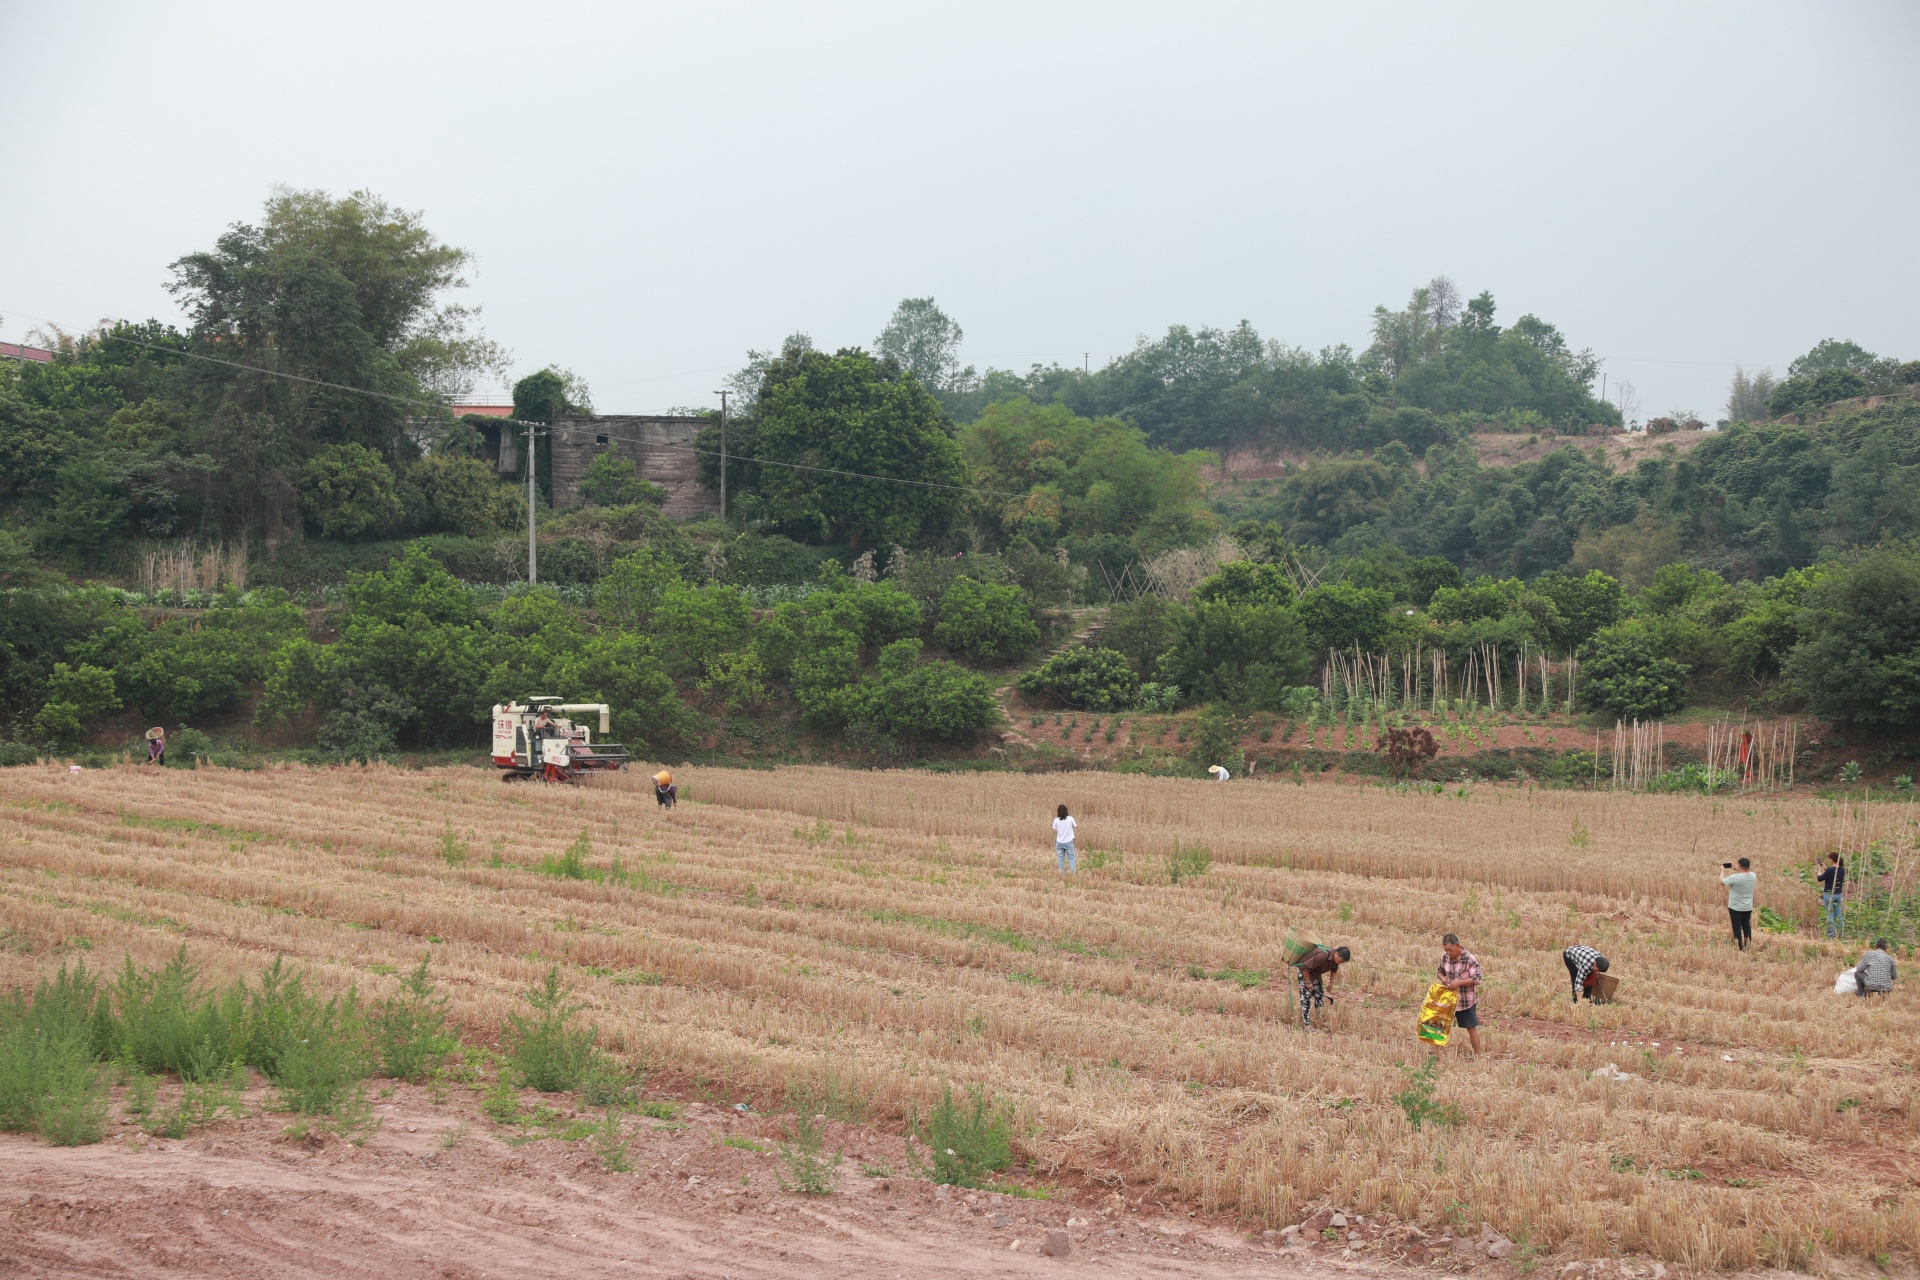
x,y
434,1193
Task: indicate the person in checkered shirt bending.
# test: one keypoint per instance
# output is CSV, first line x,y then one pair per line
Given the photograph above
x,y
1583,963
1460,973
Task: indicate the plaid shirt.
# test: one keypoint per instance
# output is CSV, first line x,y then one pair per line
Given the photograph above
x,y
1583,959
1466,968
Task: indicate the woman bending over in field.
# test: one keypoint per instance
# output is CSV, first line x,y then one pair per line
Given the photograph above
x,y
1317,970
1063,842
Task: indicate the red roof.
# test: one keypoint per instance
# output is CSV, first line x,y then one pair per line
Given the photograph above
x,y
14,351
485,410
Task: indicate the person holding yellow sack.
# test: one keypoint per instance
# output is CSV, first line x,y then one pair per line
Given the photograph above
x,y
665,794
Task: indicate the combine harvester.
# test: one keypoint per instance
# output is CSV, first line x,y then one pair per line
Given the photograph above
x,y
559,751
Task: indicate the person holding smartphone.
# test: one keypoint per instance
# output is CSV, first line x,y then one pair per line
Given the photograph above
x,y
1740,885
1833,888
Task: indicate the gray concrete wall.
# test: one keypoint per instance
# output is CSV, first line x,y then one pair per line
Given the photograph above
x,y
649,441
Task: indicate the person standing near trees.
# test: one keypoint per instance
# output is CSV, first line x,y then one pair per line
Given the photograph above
x,y
1833,884
1740,885
1460,973
1063,831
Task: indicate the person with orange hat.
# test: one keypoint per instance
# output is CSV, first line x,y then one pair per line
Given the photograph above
x,y
665,794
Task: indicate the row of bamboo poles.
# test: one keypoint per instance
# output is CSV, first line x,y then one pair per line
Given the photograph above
x,y
188,566
1421,679
1756,756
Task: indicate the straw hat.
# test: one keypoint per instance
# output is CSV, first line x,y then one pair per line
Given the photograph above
x,y
663,778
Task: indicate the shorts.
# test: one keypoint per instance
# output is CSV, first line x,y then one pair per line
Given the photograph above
x,y
1468,1018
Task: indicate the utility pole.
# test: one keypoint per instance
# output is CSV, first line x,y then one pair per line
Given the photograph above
x,y
533,551
723,452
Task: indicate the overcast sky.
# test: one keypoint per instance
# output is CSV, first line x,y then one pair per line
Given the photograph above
x,y
650,190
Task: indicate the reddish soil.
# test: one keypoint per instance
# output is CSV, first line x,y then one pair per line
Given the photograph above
x,y
438,1190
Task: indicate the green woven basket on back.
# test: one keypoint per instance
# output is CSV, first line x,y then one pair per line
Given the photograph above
x,y
1295,947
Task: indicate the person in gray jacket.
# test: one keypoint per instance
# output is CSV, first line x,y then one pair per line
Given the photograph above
x,y
1875,973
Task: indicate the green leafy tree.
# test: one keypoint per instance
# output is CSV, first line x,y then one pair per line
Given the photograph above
x,y
549,394
1585,605
348,492
1340,616
462,495
633,587
1245,655
1143,630
1859,660
1095,679
981,620
614,481
866,454
1623,671
350,292
76,695
1244,582
923,340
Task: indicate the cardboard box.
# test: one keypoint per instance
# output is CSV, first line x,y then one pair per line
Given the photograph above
x,y
1604,985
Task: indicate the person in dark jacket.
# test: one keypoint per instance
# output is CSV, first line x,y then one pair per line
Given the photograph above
x,y
1833,884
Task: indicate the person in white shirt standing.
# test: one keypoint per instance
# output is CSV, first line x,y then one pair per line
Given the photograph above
x,y
1063,842
1740,885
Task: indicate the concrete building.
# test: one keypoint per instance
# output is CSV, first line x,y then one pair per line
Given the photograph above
x,y
661,448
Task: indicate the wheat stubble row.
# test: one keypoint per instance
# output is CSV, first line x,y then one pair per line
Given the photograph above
x,y
900,929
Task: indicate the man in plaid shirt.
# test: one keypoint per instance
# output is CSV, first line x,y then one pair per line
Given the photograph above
x,y
1460,973
1583,962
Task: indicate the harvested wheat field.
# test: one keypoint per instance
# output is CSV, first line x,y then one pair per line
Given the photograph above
x,y
871,935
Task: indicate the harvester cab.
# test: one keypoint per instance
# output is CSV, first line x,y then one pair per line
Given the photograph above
x,y
538,739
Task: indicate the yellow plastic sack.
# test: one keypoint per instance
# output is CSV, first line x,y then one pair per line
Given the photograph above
x,y
1436,1014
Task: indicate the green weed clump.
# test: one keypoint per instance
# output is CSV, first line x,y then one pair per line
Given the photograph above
x,y
410,1033
968,1142
1188,863
50,1082
544,1049
1416,1101
55,1047
807,1168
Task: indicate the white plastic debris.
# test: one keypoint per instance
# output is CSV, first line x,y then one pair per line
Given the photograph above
x,y
1611,1072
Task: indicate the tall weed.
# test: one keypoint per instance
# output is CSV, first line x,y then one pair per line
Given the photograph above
x,y
545,1051
410,1034
968,1141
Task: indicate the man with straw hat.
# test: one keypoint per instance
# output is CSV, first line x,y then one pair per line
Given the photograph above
x,y
665,794
157,745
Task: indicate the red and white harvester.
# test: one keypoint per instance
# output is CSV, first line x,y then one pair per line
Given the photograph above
x,y
534,739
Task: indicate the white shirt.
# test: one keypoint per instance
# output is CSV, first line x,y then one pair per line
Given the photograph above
x,y
1063,830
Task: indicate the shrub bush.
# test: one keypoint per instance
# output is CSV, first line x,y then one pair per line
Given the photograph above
x,y
614,481
346,491
1623,672
1095,679
545,1051
981,620
969,1142
410,1033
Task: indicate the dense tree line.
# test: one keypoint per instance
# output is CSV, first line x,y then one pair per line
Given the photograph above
x,y
920,517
